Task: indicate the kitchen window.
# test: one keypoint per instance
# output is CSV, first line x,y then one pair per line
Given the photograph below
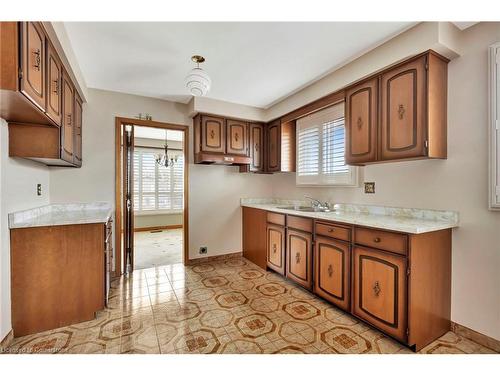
x,y
321,148
157,189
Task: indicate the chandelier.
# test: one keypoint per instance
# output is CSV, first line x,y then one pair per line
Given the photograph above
x,y
197,81
163,159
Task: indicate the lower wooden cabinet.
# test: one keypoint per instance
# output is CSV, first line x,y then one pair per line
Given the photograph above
x,y
379,290
254,235
332,259
275,236
299,257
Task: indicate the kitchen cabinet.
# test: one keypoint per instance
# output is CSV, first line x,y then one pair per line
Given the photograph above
x,y
299,257
38,97
254,236
399,113
280,147
256,147
397,282
237,137
54,77
59,275
218,140
67,131
379,290
361,122
332,271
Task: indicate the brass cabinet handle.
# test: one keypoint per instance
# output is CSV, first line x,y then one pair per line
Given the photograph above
x,y
297,257
212,134
236,136
256,147
56,87
274,247
69,119
376,288
360,123
37,59
330,230
376,239
330,270
401,111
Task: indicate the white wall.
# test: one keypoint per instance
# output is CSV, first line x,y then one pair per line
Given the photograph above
x,y
18,179
214,190
458,183
157,220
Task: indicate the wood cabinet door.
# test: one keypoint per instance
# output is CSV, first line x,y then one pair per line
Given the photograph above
x,y
276,248
68,121
32,82
256,147
213,134
361,122
237,137
299,257
379,290
273,146
54,73
403,111
78,130
332,270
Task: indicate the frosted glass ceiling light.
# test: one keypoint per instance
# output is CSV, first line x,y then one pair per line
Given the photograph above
x,y
197,81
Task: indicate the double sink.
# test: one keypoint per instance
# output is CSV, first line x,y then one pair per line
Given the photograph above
x,y
305,208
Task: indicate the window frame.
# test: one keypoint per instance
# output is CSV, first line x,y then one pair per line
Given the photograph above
x,y
317,120
494,125
156,193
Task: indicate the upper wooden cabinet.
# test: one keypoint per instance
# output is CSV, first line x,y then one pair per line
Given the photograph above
x,y
54,88
280,140
237,137
219,140
399,113
361,122
32,74
37,97
257,147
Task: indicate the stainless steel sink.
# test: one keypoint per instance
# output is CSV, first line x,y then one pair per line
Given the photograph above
x,y
304,209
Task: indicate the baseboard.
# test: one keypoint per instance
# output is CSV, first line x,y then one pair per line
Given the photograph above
x,y
7,340
475,336
165,227
215,258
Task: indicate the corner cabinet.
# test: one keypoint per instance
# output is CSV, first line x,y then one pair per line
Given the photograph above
x,y
400,113
38,98
280,142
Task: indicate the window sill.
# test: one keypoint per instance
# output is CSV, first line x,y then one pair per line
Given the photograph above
x,y
157,212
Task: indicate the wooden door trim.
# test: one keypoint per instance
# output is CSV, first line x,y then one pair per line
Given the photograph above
x,y
329,243
119,122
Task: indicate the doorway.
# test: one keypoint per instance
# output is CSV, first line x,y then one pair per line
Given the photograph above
x,y
151,194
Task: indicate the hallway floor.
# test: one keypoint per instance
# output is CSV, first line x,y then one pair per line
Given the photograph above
x,y
160,248
229,306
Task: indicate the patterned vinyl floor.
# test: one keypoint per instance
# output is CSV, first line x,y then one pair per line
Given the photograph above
x,y
229,306
152,249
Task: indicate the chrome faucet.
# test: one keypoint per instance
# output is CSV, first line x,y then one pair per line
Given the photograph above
x,y
318,205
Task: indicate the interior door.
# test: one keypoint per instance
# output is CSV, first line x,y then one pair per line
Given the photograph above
x,y
128,194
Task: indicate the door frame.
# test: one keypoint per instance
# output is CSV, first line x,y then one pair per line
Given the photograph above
x,y
119,123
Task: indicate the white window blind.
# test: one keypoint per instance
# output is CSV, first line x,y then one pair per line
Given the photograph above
x,y
321,147
157,188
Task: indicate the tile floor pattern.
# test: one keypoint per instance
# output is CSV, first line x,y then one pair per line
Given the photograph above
x,y
229,306
152,249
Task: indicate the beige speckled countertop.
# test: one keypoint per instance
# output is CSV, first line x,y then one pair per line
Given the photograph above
x,y
61,214
408,220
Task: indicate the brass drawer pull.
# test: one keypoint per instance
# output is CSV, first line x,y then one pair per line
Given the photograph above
x,y
330,230
37,59
376,288
376,239
330,270
297,257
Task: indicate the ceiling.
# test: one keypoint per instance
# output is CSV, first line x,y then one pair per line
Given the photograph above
x,y
256,64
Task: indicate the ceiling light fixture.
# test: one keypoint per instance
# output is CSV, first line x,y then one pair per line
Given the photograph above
x,y
197,81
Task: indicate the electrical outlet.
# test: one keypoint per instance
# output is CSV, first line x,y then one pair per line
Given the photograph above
x,y
38,189
203,250
370,187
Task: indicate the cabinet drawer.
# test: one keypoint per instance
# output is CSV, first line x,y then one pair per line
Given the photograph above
x,y
334,231
395,242
278,219
300,223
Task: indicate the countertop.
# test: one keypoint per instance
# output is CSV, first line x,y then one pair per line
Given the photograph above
x,y
407,220
61,214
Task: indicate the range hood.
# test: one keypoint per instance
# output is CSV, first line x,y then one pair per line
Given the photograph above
x,y
208,158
